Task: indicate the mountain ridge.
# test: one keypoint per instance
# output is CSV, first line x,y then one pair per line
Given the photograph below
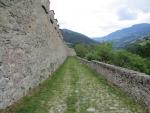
x,y
75,37
121,37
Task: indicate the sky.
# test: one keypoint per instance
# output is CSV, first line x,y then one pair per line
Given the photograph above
x,y
97,18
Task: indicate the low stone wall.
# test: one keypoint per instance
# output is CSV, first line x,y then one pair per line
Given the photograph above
x,y
135,84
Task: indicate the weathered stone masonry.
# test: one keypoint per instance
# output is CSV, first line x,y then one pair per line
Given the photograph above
x,y
135,84
31,47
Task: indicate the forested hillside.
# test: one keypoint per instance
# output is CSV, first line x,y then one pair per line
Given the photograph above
x,y
74,37
140,47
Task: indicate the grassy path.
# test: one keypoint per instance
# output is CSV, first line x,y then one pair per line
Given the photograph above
x,y
75,88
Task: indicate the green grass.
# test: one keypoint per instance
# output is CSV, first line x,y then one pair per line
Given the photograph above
x,y
32,102
38,98
72,99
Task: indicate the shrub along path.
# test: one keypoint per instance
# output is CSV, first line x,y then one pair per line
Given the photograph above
x,y
74,88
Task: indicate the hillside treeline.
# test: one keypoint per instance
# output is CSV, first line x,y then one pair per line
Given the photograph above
x,y
124,58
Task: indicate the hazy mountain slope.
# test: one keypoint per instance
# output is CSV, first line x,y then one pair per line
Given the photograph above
x,y
122,37
74,37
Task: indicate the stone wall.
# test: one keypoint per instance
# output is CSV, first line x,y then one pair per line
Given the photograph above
x,y
31,47
134,84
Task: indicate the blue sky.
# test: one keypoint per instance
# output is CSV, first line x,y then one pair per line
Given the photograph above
x,y
96,18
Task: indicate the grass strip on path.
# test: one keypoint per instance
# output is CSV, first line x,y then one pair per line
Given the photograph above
x,y
75,88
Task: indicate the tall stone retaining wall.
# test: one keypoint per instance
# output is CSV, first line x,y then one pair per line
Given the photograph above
x,y
134,84
31,47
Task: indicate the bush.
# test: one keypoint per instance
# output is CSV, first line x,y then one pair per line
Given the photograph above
x,y
132,61
105,53
81,50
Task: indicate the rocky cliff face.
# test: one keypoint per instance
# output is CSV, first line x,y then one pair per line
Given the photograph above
x,y
31,47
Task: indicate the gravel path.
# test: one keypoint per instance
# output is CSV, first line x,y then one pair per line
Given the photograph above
x,y
74,88
82,91
57,103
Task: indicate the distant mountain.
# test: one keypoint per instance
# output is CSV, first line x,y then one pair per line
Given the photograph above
x,y
122,37
74,37
98,39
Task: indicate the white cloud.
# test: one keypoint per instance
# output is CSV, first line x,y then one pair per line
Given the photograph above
x,y
100,17
126,14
